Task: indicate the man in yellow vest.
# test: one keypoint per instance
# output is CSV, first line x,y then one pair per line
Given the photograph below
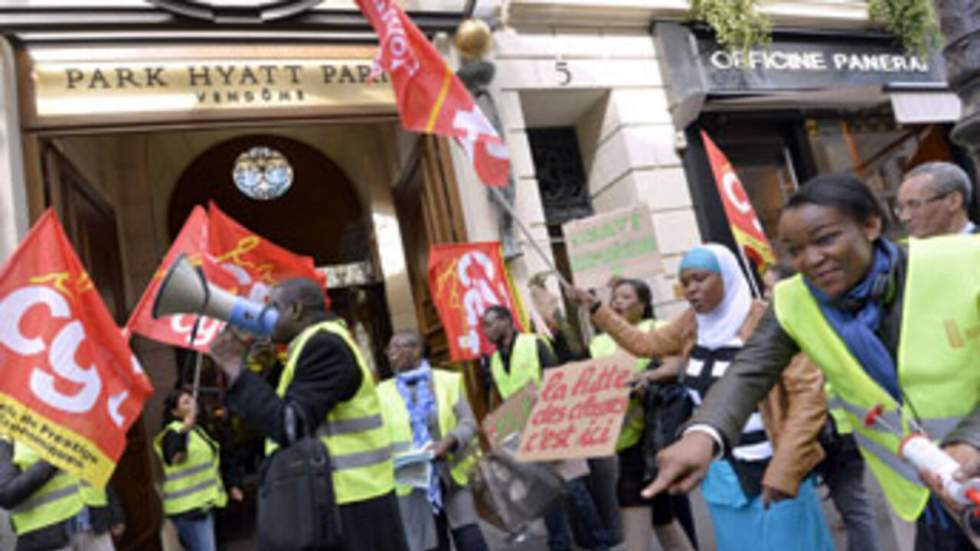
x,y
326,381
519,359
427,409
52,510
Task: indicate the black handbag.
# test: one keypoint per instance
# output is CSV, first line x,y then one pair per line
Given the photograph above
x,y
297,508
666,407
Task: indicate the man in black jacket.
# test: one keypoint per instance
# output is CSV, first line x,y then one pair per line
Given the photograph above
x,y
323,372
91,529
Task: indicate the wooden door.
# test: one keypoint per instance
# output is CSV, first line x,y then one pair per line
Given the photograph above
x,y
429,212
90,222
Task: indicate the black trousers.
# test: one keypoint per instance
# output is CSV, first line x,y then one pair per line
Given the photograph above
x,y
466,538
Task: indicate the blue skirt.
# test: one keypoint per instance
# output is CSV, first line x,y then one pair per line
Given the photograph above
x,y
742,524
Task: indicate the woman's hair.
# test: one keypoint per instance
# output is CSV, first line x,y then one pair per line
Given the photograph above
x,y
841,192
170,404
642,292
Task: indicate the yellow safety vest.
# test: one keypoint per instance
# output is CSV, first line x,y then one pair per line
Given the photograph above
x,y
937,358
196,482
59,499
354,431
448,387
603,346
525,366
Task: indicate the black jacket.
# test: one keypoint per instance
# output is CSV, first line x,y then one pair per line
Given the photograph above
x,y
16,486
326,374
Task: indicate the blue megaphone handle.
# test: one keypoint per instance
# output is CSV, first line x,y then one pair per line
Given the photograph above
x,y
257,319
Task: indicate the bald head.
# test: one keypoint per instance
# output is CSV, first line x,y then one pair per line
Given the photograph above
x,y
300,303
301,291
405,350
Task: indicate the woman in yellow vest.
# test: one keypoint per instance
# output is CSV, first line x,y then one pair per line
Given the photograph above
x,y
759,496
427,409
192,478
632,299
888,327
51,510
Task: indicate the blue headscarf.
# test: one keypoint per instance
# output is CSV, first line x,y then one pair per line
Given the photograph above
x,y
857,328
419,411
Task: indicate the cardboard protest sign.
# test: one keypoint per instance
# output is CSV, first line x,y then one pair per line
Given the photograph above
x,y
579,412
511,416
621,242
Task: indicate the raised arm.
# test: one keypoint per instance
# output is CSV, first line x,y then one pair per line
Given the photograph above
x,y
326,374
667,341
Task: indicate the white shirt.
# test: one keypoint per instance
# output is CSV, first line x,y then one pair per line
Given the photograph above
x,y
968,228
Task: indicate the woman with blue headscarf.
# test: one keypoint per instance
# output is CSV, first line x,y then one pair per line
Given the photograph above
x,y
759,496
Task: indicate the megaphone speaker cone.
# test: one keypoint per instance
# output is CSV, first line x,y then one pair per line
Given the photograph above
x,y
183,291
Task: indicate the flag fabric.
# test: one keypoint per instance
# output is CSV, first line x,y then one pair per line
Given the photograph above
x,y
71,387
255,262
176,330
431,99
745,224
465,279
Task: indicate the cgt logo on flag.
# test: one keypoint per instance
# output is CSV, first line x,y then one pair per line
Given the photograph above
x,y
71,386
465,280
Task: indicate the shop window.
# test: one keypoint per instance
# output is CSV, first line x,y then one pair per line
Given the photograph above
x,y
876,150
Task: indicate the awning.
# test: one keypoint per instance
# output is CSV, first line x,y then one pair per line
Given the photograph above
x,y
926,107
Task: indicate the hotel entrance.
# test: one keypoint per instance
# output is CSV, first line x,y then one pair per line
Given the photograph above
x,y
124,144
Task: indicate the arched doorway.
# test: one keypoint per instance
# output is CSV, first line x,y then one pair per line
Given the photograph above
x,y
322,216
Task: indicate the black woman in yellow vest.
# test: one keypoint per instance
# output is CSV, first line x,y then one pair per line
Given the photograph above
x,y
519,359
670,516
888,326
325,383
192,475
51,510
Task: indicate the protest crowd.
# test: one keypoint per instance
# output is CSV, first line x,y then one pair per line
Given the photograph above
x,y
839,365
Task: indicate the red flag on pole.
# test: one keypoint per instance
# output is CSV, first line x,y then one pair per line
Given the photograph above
x,y
255,262
745,224
176,330
431,99
465,279
70,387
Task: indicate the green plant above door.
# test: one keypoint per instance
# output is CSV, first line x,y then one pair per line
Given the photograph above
x,y
739,25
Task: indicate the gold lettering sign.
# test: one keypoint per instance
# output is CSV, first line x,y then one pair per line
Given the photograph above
x,y
119,90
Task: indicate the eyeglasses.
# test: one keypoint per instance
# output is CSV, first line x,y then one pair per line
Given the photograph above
x,y
916,204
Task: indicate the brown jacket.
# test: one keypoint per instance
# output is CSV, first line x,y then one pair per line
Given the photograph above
x,y
793,412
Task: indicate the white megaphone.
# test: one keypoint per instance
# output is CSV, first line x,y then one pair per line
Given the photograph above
x,y
185,290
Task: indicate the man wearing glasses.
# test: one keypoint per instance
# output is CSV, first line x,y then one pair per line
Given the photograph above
x,y
934,199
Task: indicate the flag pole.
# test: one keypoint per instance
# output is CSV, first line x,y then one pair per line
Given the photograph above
x,y
502,201
749,272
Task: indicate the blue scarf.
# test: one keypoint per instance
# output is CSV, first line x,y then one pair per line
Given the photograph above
x,y
419,411
857,328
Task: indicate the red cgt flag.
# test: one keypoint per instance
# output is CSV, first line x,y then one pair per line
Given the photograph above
x,y
176,330
71,387
430,97
465,279
255,262
741,216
